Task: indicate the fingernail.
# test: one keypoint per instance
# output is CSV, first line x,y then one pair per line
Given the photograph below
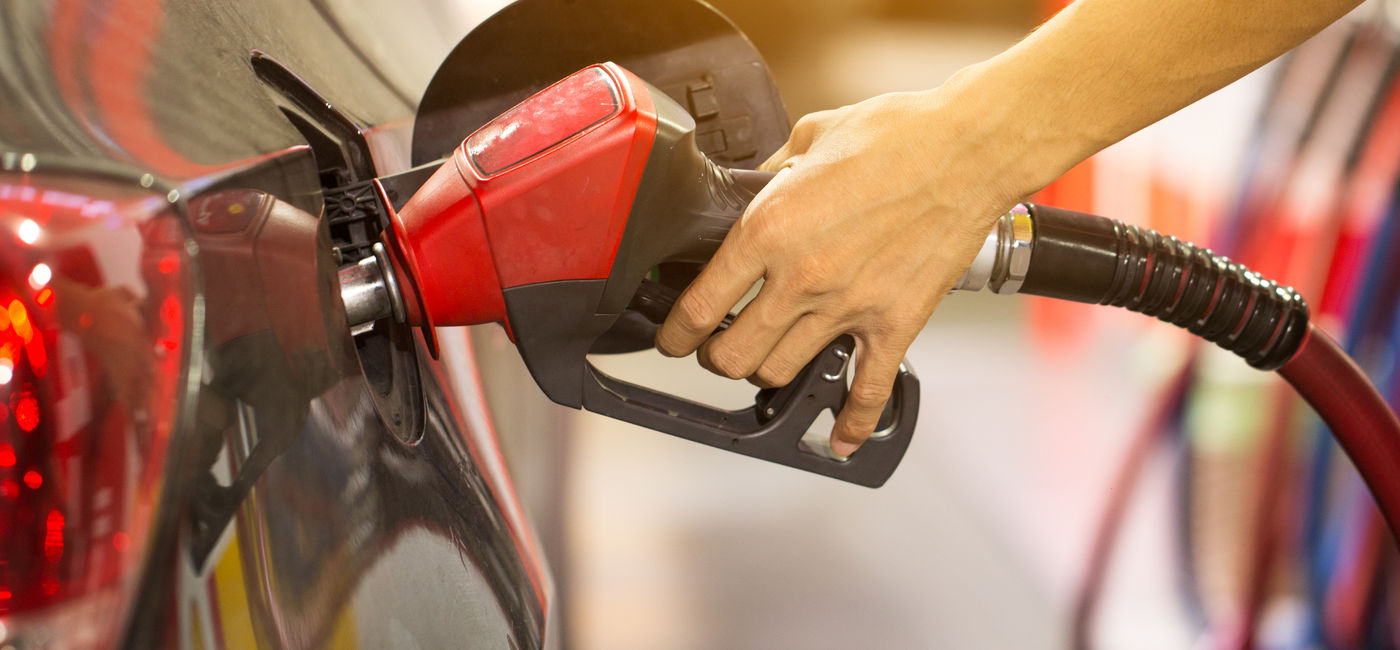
x,y
842,448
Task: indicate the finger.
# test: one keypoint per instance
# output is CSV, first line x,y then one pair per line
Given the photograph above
x,y
737,352
785,157
798,142
794,351
708,299
876,371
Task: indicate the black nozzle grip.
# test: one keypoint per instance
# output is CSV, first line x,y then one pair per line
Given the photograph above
x,y
751,180
772,429
711,214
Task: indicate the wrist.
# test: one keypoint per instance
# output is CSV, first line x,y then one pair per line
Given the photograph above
x,y
1026,147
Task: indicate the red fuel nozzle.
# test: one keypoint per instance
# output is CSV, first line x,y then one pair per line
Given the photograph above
x,y
442,256
549,218
539,194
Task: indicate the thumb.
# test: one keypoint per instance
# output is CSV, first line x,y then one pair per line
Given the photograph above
x,y
780,160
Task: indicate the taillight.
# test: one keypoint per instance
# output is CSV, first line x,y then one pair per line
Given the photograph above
x,y
93,314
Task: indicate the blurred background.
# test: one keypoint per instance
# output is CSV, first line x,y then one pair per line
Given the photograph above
x,y
1080,475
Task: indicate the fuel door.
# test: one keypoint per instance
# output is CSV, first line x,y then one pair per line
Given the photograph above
x,y
684,47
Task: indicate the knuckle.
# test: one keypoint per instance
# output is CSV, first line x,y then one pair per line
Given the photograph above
x,y
759,227
867,397
727,361
668,345
903,324
693,312
777,372
806,123
815,275
816,118
704,362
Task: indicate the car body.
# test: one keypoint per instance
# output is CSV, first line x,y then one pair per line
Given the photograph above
x,y
198,453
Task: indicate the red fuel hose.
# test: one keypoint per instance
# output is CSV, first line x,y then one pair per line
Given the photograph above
x,y
1359,418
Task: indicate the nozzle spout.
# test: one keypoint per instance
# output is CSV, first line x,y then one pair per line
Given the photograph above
x,y
370,291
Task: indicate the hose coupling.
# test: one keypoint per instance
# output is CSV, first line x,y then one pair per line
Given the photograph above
x,y
1002,262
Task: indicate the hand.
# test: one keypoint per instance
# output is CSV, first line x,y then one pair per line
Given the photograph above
x,y
876,210
109,323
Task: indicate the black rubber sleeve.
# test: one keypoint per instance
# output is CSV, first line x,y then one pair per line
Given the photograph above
x,y
1092,259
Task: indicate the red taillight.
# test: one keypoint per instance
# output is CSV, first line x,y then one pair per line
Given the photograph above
x,y
92,334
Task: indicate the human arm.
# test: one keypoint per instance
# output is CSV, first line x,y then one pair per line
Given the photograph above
x,y
881,205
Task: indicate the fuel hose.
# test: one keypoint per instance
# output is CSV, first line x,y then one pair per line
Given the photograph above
x,y
1046,251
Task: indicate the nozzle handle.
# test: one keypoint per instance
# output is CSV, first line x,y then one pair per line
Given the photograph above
x,y
772,429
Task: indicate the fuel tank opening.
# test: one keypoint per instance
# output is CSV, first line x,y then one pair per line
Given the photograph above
x,y
353,206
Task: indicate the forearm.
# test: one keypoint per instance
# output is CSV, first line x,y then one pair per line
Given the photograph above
x,y
1103,69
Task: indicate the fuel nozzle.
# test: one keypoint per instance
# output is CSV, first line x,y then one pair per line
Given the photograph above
x,y
549,218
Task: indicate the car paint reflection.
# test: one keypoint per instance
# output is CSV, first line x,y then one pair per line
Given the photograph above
x,y
93,347
293,449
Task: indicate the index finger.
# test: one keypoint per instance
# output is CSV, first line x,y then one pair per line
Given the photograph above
x,y
709,298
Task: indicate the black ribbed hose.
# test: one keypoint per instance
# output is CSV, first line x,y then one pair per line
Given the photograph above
x,y
1091,259
1086,258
